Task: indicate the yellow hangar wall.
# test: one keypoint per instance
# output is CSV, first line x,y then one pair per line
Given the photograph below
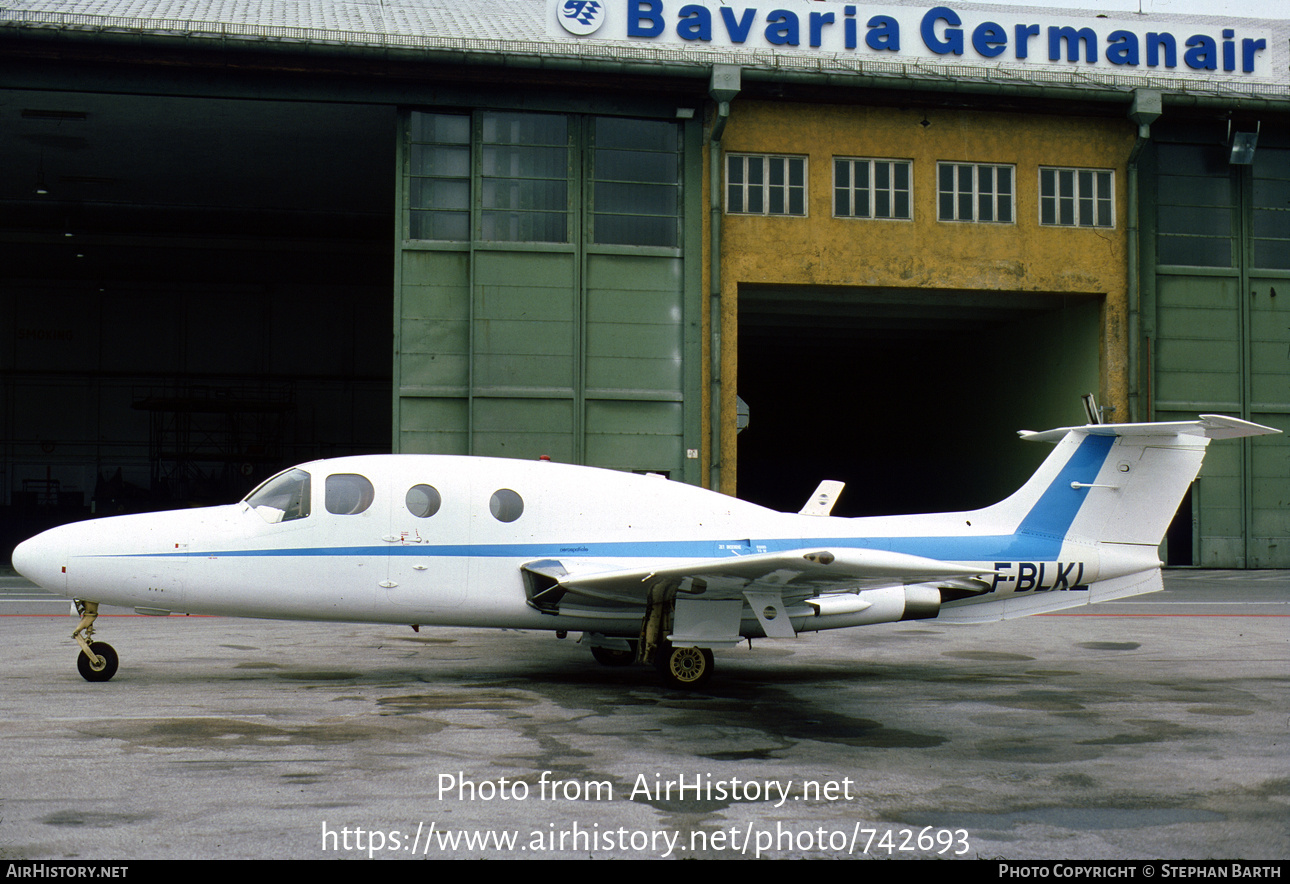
x,y
924,253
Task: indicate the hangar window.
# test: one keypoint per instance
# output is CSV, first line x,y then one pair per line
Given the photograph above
x,y
976,192
636,182
1076,197
875,189
1196,203
506,505
1272,208
423,501
765,185
505,177
283,498
439,177
524,177
348,494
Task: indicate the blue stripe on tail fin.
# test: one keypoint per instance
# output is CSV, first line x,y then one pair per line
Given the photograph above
x,y
1053,513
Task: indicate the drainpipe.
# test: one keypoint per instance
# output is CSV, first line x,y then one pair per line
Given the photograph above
x,y
723,87
1145,110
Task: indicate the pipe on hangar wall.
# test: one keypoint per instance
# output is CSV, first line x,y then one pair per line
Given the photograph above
x,y
723,86
1146,108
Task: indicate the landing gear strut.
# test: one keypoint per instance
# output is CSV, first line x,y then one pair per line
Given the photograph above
x,y
680,667
98,660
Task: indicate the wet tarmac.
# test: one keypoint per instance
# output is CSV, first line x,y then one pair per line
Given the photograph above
x,y
1157,727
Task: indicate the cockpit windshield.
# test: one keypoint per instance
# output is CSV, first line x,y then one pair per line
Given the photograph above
x,y
283,498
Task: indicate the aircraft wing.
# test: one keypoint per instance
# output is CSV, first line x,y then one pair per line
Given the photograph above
x,y
793,575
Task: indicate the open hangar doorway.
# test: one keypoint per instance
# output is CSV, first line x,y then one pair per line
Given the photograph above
x,y
194,293
911,396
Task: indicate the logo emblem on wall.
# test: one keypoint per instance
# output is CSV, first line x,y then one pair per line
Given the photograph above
x,y
582,17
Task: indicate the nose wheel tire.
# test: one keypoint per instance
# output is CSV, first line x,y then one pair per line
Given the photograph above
x,y
102,666
685,667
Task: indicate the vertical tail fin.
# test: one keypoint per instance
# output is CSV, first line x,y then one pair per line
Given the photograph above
x,y
1122,483
1116,483
1115,487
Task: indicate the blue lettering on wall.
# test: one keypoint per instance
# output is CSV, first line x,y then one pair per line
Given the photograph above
x,y
738,30
1248,48
884,33
695,23
818,21
645,18
782,28
943,32
1201,54
989,40
953,42
1122,47
1157,42
1024,33
1073,39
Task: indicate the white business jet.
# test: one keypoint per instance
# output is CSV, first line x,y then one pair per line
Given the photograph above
x,y
647,569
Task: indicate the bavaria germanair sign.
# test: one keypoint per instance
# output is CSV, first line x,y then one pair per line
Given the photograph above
x,y
1211,47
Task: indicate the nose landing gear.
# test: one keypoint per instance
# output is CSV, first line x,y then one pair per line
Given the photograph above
x,y
98,660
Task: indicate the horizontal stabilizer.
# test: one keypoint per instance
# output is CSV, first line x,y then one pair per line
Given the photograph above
x,y
1211,426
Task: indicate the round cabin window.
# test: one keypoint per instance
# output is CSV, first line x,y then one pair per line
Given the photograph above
x,y
423,501
506,505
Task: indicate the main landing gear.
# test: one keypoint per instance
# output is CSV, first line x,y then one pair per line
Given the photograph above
x,y
98,660
680,667
683,667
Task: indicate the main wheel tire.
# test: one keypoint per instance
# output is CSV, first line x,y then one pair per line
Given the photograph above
x,y
104,671
613,656
685,667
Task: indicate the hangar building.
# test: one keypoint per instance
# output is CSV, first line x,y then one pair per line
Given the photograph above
x,y
241,235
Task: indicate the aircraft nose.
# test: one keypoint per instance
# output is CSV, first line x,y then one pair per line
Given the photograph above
x,y
42,560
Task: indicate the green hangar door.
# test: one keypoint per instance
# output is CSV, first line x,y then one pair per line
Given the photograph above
x,y
1221,341
543,288
911,396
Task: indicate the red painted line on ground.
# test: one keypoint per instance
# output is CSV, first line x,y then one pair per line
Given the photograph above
x,y
1060,614
101,616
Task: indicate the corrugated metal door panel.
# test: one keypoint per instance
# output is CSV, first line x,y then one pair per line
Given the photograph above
x,y
635,330
635,435
1269,343
1221,507
433,426
434,321
1198,357
1269,535
1269,541
524,428
525,321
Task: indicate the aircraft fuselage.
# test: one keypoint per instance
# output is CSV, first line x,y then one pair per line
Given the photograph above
x,y
461,564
